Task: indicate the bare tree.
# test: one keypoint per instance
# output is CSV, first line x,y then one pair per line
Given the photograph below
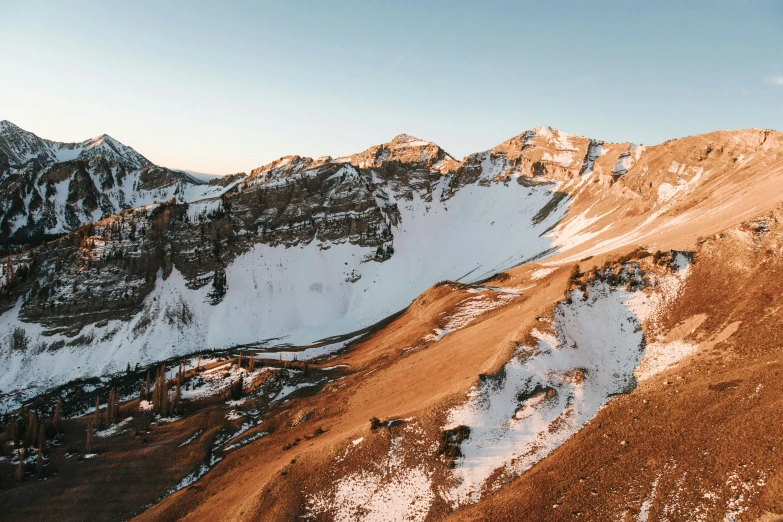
x,y
20,467
88,443
41,446
96,418
57,423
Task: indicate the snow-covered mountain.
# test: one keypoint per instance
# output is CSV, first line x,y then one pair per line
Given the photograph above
x,y
22,148
48,188
305,249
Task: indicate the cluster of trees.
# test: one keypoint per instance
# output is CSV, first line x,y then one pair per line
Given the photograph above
x,y
27,432
109,416
159,395
251,360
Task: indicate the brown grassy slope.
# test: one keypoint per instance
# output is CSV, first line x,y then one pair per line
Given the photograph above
x,y
262,481
700,434
249,484
128,473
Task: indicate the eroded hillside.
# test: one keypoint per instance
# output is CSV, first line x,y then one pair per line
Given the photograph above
x,y
626,372
326,247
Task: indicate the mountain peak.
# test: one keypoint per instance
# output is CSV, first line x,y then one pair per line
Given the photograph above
x,y
411,141
22,146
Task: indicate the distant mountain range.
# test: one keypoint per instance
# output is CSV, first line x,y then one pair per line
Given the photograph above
x,y
49,188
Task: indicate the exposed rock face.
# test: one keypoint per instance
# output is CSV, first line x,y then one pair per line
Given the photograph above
x,y
305,248
49,188
22,147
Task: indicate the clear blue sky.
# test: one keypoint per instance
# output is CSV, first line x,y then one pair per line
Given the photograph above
x,y
225,88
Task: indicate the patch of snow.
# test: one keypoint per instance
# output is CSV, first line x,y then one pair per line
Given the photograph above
x,y
289,389
191,438
542,273
114,429
577,230
563,158
597,347
466,312
334,367
660,356
234,415
246,441
167,420
644,511
391,491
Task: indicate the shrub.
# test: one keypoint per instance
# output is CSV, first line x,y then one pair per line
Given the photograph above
x,y
450,441
638,253
19,339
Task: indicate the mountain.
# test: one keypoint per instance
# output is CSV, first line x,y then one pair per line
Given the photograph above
x,y
305,249
48,188
555,328
21,148
331,246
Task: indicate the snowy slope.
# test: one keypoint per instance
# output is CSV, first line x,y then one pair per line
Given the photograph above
x,y
22,147
50,188
549,391
304,293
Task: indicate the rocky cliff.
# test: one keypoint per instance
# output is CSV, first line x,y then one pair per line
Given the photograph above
x,y
49,188
304,249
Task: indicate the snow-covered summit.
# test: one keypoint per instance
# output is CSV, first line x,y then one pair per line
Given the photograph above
x,y
22,147
44,191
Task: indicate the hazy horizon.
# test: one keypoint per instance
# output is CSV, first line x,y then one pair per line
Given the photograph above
x,y
222,89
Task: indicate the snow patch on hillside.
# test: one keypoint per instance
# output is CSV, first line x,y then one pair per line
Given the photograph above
x,y
661,356
388,491
550,390
466,312
300,294
542,273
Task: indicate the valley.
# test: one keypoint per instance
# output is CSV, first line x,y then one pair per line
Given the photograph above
x,y
558,327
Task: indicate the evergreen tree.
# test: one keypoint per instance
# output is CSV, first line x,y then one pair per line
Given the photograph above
x,y
235,390
12,432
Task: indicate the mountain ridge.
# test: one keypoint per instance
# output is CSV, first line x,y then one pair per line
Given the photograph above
x,y
24,146
339,235
506,322
49,188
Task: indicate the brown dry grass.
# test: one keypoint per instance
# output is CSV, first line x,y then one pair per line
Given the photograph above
x,y
710,421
